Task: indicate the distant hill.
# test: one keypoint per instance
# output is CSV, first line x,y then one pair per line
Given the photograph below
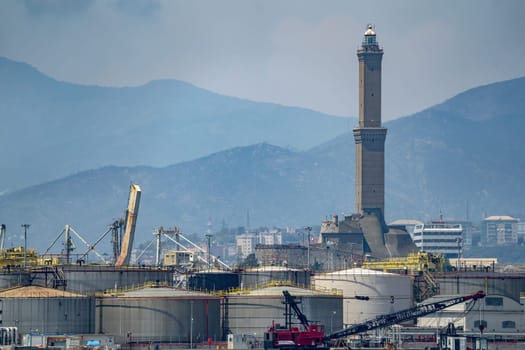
x,y
277,186
51,129
463,158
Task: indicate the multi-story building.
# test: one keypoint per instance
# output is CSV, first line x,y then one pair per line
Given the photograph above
x,y
521,230
246,242
500,230
271,237
439,237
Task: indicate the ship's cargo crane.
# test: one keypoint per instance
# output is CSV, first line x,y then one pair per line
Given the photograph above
x,y
312,336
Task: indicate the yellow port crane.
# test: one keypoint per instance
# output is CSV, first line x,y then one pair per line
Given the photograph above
x,y
17,256
131,222
413,263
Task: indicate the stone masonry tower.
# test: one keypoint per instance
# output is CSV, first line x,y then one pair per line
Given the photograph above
x,y
370,135
366,231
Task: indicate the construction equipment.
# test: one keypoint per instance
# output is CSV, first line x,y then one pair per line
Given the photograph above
x,y
312,335
289,336
402,316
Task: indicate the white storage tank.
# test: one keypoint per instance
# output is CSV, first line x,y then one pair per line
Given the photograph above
x,y
387,292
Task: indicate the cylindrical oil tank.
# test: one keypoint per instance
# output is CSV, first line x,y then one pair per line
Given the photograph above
x,y
44,310
252,313
164,314
13,278
507,284
261,276
213,281
387,292
89,279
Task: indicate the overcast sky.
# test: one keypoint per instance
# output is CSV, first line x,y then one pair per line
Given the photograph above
x,y
300,53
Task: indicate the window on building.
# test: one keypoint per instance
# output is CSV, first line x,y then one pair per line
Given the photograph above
x,y
508,324
493,301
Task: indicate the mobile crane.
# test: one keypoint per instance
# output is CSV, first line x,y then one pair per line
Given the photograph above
x,y
312,336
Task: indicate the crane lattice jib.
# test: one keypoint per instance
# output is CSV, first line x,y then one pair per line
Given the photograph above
x,y
401,316
291,301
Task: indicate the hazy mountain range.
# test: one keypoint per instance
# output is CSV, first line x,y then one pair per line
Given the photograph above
x,y
51,129
276,165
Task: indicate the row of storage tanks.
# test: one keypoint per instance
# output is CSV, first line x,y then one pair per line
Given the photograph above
x,y
161,314
168,314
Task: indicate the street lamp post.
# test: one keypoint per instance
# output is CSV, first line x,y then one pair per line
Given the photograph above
x,y
25,226
191,324
208,237
459,253
309,229
331,321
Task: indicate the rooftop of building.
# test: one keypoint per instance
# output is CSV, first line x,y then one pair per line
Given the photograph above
x,y
405,222
500,218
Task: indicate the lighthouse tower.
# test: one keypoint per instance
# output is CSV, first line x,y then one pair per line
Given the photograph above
x,y
365,231
370,135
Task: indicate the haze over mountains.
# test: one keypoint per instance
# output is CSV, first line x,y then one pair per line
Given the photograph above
x,y
58,128
283,165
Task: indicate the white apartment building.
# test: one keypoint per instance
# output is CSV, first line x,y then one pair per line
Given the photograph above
x,y
246,242
439,237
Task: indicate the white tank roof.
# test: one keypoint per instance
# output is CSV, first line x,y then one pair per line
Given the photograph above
x,y
161,292
360,271
278,291
271,269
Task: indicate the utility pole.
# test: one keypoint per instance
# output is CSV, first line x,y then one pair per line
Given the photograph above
x,y
191,324
208,237
309,229
25,226
2,236
458,263
158,233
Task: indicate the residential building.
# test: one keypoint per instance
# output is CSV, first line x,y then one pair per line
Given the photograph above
x,y
500,230
245,244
